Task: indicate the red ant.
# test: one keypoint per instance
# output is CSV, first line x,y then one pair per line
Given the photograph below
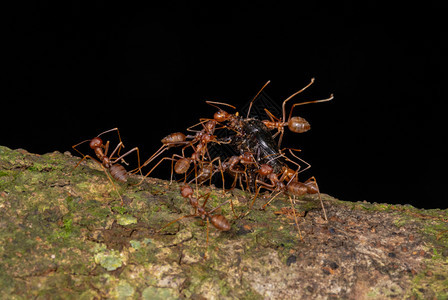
x,y
295,124
218,221
230,165
117,171
198,143
288,181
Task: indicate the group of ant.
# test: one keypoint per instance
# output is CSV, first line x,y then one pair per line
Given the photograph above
x,y
260,162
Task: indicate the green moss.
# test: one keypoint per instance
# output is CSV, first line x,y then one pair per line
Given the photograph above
x,y
109,259
62,224
155,293
126,220
124,290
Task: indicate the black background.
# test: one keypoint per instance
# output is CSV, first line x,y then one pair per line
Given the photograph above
x,y
75,70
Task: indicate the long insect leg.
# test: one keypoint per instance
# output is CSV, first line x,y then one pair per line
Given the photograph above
x,y
127,153
150,171
83,158
292,96
320,197
113,184
119,139
295,218
308,102
176,220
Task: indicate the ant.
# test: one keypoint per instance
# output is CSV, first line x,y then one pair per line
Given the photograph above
x,y
231,166
217,220
288,182
295,124
116,170
198,144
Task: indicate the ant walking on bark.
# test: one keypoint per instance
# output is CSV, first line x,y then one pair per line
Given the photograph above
x,y
109,163
217,220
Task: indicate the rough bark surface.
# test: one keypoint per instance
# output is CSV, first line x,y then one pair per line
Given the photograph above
x,y
64,235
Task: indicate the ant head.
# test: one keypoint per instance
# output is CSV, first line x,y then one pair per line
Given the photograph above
x,y
265,170
186,191
298,125
96,142
246,158
221,116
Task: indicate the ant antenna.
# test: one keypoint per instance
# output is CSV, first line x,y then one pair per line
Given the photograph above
x,y
251,102
110,131
212,103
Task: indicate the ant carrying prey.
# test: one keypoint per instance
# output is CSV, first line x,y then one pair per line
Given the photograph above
x,y
256,160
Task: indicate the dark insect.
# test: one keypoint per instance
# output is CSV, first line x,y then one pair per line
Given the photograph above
x,y
256,160
254,136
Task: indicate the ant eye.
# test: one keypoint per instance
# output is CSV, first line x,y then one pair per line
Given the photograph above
x,y
96,142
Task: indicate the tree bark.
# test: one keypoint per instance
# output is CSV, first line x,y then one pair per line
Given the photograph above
x,y
64,234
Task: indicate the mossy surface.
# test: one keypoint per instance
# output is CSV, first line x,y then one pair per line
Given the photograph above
x,y
65,235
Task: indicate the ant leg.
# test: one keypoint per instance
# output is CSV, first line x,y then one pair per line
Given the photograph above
x,y
119,138
222,176
295,218
211,211
313,179
257,191
74,147
127,153
202,121
120,144
270,200
150,171
157,153
280,130
113,184
292,96
308,102
206,244
273,118
174,221
308,165
106,148
84,157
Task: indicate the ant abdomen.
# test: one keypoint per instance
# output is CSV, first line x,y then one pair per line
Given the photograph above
x,y
220,222
182,166
173,138
311,186
298,125
297,188
119,173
